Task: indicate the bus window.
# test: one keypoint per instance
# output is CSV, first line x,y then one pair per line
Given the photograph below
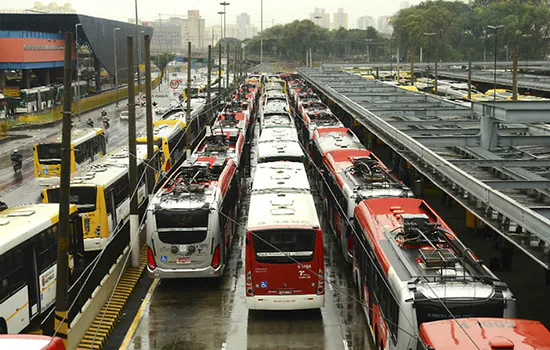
x,y
83,196
274,246
175,227
121,190
49,153
4,285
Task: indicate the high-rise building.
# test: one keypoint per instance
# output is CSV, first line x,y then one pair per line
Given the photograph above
x,y
243,20
323,19
340,19
194,29
52,7
364,22
167,35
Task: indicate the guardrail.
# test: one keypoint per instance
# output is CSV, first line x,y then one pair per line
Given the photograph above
x,y
524,217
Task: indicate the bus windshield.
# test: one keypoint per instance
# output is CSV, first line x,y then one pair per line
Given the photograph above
x,y
182,227
284,246
49,153
433,310
83,197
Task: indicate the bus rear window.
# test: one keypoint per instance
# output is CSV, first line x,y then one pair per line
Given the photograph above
x,y
432,310
182,218
284,246
83,197
49,153
181,237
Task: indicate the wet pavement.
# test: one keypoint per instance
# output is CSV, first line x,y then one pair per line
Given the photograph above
x,y
206,314
20,188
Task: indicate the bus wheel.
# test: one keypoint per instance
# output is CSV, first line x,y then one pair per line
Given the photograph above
x,y
3,327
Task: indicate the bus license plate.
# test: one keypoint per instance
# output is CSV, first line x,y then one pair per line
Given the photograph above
x,y
285,292
184,260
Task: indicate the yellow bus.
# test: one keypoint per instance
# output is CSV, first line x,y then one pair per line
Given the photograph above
x,y
28,257
101,193
87,145
169,136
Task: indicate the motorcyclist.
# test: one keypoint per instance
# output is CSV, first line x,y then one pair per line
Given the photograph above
x,y
105,120
17,157
90,122
103,113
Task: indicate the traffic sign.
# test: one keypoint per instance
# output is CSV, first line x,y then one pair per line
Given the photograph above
x,y
142,96
174,84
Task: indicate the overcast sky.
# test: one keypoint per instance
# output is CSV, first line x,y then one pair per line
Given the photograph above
x,y
277,11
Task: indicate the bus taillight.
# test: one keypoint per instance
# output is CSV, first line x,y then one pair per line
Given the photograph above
x,y
216,257
321,283
150,259
249,290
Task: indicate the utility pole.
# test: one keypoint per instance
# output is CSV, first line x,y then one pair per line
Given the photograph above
x,y
235,68
219,70
137,45
261,34
209,80
62,283
227,68
310,57
307,58
515,74
398,68
470,74
149,116
188,94
132,153
435,69
411,54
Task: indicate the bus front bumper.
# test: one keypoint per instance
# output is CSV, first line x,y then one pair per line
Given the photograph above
x,y
285,302
201,272
47,181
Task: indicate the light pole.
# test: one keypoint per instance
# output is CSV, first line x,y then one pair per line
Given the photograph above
x,y
138,53
429,48
77,69
368,49
221,13
261,33
495,28
137,42
116,70
224,4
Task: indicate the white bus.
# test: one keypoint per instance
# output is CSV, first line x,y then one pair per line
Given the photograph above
x,y
280,144
101,193
191,220
28,260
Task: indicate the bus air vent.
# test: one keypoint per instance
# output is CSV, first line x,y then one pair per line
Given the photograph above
x,y
21,213
437,258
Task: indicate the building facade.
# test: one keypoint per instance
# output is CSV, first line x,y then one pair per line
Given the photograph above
x,y
364,22
323,18
340,19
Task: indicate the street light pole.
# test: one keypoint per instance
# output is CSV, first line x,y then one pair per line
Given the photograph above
x,y
262,33
77,69
221,13
116,69
368,49
224,4
495,28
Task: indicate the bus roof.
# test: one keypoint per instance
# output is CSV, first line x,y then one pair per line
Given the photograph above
x,y
280,175
329,139
283,150
30,342
393,226
78,135
109,168
163,128
282,209
486,333
279,134
18,224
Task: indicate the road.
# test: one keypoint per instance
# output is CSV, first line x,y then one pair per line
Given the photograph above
x,y
205,314
20,188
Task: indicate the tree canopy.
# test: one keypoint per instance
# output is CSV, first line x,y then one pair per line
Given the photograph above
x,y
458,26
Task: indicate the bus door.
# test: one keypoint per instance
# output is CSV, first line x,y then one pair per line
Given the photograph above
x,y
30,268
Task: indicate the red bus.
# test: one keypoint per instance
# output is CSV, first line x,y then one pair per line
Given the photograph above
x,y
284,244
410,268
484,333
30,342
353,175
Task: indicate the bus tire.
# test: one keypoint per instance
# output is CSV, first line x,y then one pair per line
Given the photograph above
x,y
3,326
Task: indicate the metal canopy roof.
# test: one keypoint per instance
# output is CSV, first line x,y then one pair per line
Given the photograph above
x,y
500,172
98,34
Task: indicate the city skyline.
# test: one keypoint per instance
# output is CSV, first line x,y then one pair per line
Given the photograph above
x,y
274,13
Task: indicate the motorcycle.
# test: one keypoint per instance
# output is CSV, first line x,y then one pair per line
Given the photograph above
x,y
16,165
106,124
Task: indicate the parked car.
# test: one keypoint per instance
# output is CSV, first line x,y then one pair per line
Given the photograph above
x,y
124,115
